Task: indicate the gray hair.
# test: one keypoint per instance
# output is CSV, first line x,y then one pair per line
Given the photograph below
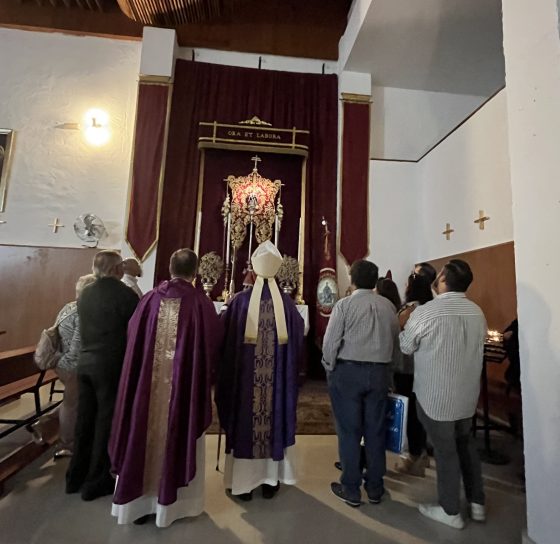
x,y
105,264
82,282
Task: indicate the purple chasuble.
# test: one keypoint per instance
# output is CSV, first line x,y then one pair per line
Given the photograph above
x,y
164,400
256,391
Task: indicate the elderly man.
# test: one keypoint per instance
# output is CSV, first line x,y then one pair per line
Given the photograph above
x,y
447,336
256,391
164,403
104,309
357,349
132,271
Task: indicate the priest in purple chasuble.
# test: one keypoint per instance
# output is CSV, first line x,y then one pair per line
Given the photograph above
x,y
256,391
164,402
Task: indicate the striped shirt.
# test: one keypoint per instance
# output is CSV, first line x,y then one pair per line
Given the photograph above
x,y
362,327
446,336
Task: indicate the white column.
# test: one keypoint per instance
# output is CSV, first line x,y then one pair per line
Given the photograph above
x,y
157,59
532,53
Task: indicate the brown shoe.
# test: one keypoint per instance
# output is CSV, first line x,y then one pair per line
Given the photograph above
x,y
413,465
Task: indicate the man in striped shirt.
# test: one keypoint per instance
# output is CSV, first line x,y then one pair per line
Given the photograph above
x,y
447,336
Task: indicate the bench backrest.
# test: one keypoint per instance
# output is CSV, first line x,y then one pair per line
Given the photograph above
x,y
17,364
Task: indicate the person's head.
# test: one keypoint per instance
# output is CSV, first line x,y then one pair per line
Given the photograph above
x,y
108,263
456,275
364,274
426,270
418,289
388,288
82,282
132,267
183,264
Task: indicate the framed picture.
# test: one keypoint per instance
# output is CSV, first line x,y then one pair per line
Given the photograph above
x,y
6,139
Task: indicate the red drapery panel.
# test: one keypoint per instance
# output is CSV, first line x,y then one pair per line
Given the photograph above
x,y
142,227
355,172
211,92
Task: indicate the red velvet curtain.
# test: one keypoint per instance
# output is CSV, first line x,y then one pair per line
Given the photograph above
x,y
355,179
149,137
211,92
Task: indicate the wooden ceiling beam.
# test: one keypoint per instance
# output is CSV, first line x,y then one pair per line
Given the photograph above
x,y
111,23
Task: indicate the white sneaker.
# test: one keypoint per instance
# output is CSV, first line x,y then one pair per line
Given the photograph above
x,y
437,513
478,512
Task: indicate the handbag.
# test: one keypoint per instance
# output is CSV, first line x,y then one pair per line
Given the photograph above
x,y
48,351
49,348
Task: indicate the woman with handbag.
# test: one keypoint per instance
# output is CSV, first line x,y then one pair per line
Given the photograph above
x,y
418,292
68,326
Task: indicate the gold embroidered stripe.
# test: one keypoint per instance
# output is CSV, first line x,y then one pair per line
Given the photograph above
x,y
160,393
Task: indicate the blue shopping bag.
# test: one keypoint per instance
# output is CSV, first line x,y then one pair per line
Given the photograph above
x,y
397,412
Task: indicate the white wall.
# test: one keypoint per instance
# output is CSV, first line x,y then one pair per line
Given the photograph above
x,y
393,195
407,123
48,79
533,79
468,172
410,203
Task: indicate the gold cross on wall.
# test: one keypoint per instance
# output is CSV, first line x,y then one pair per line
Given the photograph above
x,y
481,219
448,230
256,159
55,225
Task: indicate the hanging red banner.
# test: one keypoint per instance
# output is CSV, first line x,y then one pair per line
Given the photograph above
x,y
354,230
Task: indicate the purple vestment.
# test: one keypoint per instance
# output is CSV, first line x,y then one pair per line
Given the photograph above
x,y
256,391
172,349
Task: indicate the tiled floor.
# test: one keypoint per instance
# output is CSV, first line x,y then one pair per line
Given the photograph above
x,y
34,509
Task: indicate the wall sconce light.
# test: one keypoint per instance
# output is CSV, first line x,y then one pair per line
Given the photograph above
x,y
95,127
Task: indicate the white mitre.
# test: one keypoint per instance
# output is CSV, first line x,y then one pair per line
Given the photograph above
x,y
266,261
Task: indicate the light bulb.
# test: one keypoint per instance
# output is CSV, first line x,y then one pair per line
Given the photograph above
x,y
96,123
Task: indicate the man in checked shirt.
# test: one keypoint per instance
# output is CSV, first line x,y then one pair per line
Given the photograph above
x,y
359,343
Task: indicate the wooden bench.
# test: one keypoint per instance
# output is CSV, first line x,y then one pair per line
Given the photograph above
x,y
19,376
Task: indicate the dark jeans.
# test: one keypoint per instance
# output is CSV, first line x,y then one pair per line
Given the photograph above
x,y
90,465
358,394
456,456
415,431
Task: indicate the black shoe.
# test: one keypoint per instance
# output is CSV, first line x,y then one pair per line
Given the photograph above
x,y
337,490
72,488
246,497
375,499
142,520
92,492
268,491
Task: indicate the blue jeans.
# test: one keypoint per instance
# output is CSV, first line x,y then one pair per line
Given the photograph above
x,y
358,394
